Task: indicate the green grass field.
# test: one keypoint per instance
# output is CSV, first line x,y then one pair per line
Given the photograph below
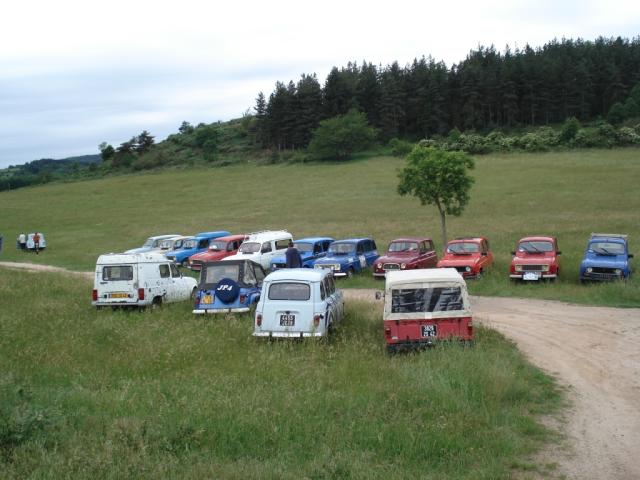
x,y
567,194
166,394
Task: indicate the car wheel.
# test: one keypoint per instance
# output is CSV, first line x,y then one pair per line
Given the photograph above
x,y
350,272
156,303
480,272
194,294
184,263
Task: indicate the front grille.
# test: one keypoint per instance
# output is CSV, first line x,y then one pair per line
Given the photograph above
x,y
533,268
461,269
603,276
610,271
391,266
330,266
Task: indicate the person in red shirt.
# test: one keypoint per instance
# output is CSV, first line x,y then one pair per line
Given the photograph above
x,y
36,242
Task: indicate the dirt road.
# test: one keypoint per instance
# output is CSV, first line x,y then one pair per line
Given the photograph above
x,y
593,350
596,352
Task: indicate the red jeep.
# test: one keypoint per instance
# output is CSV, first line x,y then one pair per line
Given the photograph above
x,y
406,254
536,258
471,256
218,249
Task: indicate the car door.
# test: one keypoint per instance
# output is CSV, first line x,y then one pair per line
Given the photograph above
x,y
165,282
430,256
178,285
371,252
337,302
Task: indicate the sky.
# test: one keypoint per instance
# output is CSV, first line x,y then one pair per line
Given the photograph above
x,y
74,74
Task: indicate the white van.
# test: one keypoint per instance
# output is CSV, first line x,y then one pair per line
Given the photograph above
x,y
139,280
262,247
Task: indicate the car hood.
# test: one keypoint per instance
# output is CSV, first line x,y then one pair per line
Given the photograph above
x,y
210,255
458,261
139,250
283,258
338,259
396,258
255,257
183,252
533,260
606,261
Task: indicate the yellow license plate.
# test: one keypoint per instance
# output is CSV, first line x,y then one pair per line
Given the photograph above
x,y
207,299
119,295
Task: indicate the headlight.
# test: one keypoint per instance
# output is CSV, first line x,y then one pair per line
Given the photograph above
x,y
545,268
518,268
468,269
589,270
336,267
379,265
403,265
617,271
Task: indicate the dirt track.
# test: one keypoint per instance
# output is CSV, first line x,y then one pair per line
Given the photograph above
x,y
596,352
593,350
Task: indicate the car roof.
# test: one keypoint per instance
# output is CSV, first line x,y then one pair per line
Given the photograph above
x,y
540,238
466,239
233,261
164,237
218,233
268,235
610,237
117,258
298,274
231,238
352,240
423,275
313,239
410,239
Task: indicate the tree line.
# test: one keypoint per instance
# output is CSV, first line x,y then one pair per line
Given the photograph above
x,y
487,90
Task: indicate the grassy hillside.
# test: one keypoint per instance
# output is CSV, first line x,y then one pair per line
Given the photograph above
x,y
569,194
166,394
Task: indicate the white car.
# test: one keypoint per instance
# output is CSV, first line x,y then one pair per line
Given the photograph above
x,y
298,302
139,280
152,243
262,247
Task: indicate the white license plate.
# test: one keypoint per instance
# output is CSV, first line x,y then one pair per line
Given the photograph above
x,y
531,276
287,320
428,330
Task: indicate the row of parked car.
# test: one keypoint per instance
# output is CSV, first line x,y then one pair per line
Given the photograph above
x,y
535,258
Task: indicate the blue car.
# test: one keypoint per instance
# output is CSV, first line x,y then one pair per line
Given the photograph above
x,y
346,257
196,244
607,258
311,249
229,286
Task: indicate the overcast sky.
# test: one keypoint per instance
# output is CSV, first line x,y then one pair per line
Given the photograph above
x,y
74,74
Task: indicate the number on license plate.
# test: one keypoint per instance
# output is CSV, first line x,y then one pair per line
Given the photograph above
x,y
531,276
428,330
207,299
119,295
287,320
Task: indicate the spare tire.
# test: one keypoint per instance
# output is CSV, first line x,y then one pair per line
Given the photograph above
x,y
227,290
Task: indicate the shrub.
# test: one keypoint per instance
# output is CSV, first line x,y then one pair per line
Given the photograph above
x,y
400,148
569,129
339,137
628,136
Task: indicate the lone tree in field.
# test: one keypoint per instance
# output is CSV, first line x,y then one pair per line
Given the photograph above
x,y
438,178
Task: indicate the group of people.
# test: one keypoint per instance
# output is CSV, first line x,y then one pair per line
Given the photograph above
x,y
22,242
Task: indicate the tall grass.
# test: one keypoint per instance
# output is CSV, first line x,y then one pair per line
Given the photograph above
x,y
88,394
567,194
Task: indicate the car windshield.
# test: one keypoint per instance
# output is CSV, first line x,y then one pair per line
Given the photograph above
x,y
289,291
342,248
403,246
535,246
191,243
117,273
250,247
416,300
607,248
215,273
149,243
177,244
218,245
303,247
165,244
463,248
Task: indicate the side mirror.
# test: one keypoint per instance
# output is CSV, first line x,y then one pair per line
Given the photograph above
x,y
558,252
630,255
513,252
484,254
378,295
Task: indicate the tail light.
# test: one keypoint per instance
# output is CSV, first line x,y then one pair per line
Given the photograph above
x,y
94,295
141,294
316,320
259,319
243,298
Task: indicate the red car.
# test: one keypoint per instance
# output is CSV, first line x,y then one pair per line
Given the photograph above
x,y
471,256
536,258
218,249
406,254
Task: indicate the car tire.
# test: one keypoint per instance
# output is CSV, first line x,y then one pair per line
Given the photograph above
x,y
156,303
184,263
194,294
350,272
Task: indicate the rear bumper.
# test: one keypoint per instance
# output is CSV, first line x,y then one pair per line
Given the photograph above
x,y
288,334
542,275
211,311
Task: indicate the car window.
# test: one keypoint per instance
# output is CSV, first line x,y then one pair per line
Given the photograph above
x,y
317,248
282,244
373,245
325,245
117,273
174,271
323,293
266,247
484,246
203,244
249,275
486,243
328,286
164,271
332,284
412,300
259,274
289,291
360,248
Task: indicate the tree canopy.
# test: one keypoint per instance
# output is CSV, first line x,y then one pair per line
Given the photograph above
x,y
339,137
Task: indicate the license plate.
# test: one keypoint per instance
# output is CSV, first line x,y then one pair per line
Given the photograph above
x,y
118,295
207,299
287,320
531,276
428,330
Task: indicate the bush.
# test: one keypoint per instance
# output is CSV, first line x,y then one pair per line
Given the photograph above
x,y
628,136
400,148
569,129
339,137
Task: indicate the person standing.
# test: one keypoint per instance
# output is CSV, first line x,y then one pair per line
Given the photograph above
x,y
36,242
294,260
22,241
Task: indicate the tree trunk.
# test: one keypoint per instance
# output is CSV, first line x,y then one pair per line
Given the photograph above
x,y
443,226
